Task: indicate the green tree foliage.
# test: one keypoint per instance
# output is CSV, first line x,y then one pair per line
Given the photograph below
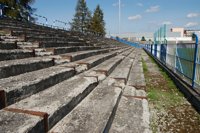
x,y
97,23
81,21
143,39
22,8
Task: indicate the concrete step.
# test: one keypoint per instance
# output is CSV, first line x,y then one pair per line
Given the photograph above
x,y
94,113
62,50
15,122
19,87
62,44
87,63
121,72
16,67
54,38
27,45
136,78
132,113
15,54
104,69
7,45
74,56
59,100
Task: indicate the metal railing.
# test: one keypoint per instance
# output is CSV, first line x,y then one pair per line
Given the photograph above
x,y
3,15
136,45
182,58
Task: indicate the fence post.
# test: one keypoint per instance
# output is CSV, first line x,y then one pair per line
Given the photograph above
x,y
195,59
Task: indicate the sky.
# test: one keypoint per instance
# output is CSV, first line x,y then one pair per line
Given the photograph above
x,y
137,16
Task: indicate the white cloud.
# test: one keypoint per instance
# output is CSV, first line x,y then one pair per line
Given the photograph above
x,y
136,17
117,4
153,9
191,24
167,22
192,15
140,4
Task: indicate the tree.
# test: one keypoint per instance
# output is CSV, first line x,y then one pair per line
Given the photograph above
x,y
22,8
82,17
143,39
97,23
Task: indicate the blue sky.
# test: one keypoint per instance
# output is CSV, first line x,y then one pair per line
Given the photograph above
x,y
136,15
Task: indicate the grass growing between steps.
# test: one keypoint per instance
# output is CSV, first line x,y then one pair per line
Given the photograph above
x,y
161,90
170,111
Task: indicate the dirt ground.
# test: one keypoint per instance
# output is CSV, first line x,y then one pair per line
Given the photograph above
x,y
170,111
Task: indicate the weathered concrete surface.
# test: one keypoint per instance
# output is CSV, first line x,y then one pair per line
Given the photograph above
x,y
132,114
93,114
24,85
7,45
12,68
58,100
87,63
11,122
83,54
136,77
104,69
15,54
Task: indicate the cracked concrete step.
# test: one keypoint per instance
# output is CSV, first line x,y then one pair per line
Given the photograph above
x,y
62,50
136,78
87,63
74,56
15,54
132,114
121,72
11,68
15,88
13,122
27,45
94,113
43,39
8,45
57,101
104,69
62,44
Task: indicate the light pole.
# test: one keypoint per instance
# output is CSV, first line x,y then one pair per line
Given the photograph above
x,y
119,17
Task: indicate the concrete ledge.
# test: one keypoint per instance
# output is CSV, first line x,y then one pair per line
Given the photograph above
x,y
22,86
93,114
60,99
12,68
132,114
12,122
15,54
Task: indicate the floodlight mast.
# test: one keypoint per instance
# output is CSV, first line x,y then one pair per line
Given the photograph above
x,y
119,17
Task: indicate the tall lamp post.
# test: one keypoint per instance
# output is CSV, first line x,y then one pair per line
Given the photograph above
x,y
119,17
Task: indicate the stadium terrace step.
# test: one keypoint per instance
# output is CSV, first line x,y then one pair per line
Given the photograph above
x,y
74,56
121,73
14,122
59,100
12,68
136,78
12,38
27,45
43,39
62,50
87,63
62,44
15,54
8,45
94,113
132,113
104,69
19,87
